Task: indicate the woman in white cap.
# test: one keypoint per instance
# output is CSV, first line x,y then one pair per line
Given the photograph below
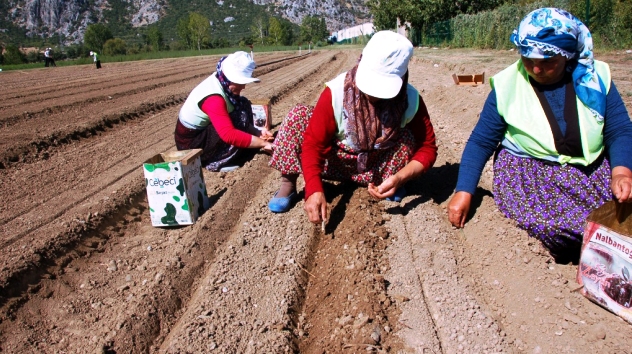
x,y
217,119
369,126
560,133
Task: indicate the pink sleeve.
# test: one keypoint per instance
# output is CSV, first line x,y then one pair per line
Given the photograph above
x,y
215,107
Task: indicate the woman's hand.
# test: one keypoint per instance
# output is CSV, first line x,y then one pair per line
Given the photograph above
x,y
268,148
621,184
266,135
387,188
458,208
316,207
263,141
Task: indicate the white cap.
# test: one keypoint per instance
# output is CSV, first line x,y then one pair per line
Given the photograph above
x,y
90,52
238,68
384,62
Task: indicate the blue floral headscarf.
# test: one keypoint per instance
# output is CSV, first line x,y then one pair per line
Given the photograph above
x,y
547,32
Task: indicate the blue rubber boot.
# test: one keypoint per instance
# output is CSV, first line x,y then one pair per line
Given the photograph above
x,y
398,196
281,204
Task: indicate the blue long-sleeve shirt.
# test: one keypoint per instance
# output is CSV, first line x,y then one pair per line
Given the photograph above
x,y
491,127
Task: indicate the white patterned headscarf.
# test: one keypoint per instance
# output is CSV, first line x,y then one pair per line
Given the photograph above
x,y
547,32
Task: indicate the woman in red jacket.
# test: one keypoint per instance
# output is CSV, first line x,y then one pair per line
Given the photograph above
x,y
217,119
369,126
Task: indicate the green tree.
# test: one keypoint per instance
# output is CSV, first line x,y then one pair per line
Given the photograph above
x,y
313,30
280,31
13,55
199,28
275,31
96,35
322,30
183,31
422,13
259,30
154,38
115,46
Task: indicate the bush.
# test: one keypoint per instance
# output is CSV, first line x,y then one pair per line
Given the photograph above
x,y
132,50
608,20
177,45
115,46
13,55
33,56
75,51
96,35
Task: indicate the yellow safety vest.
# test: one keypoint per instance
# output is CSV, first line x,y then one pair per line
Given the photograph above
x,y
529,129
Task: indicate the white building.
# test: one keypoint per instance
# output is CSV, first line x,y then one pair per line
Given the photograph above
x,y
353,32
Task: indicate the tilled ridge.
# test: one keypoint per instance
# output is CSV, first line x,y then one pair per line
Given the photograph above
x,y
123,287
347,306
164,95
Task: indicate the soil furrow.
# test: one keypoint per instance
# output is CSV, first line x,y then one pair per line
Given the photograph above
x,y
90,274
354,311
142,330
55,91
267,275
26,151
114,89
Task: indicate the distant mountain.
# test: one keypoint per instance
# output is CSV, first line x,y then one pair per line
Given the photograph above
x,y
66,20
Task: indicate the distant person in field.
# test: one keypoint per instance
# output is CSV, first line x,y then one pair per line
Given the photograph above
x,y
560,132
48,58
369,126
217,119
95,58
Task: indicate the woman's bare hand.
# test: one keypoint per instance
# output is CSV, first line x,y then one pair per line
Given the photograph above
x,y
266,135
316,207
386,189
458,208
268,148
621,184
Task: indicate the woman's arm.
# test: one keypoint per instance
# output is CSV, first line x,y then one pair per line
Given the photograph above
x,y
483,141
317,141
487,134
423,131
215,107
423,158
618,140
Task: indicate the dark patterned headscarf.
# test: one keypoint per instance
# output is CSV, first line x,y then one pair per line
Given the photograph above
x,y
547,32
372,126
223,80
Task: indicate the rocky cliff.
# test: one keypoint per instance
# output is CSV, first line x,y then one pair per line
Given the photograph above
x,y
71,17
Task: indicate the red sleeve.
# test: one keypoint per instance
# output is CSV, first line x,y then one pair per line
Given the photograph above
x,y
422,130
317,141
215,107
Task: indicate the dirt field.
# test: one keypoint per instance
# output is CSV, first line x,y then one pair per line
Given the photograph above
x,y
83,271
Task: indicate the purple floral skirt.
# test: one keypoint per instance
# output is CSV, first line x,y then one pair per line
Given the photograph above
x,y
551,202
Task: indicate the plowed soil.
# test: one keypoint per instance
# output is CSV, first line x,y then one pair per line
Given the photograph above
x,y
83,271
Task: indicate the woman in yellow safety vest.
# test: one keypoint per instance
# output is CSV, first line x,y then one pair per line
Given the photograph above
x,y
561,134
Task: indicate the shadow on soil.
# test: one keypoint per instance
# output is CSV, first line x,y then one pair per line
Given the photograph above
x,y
437,186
